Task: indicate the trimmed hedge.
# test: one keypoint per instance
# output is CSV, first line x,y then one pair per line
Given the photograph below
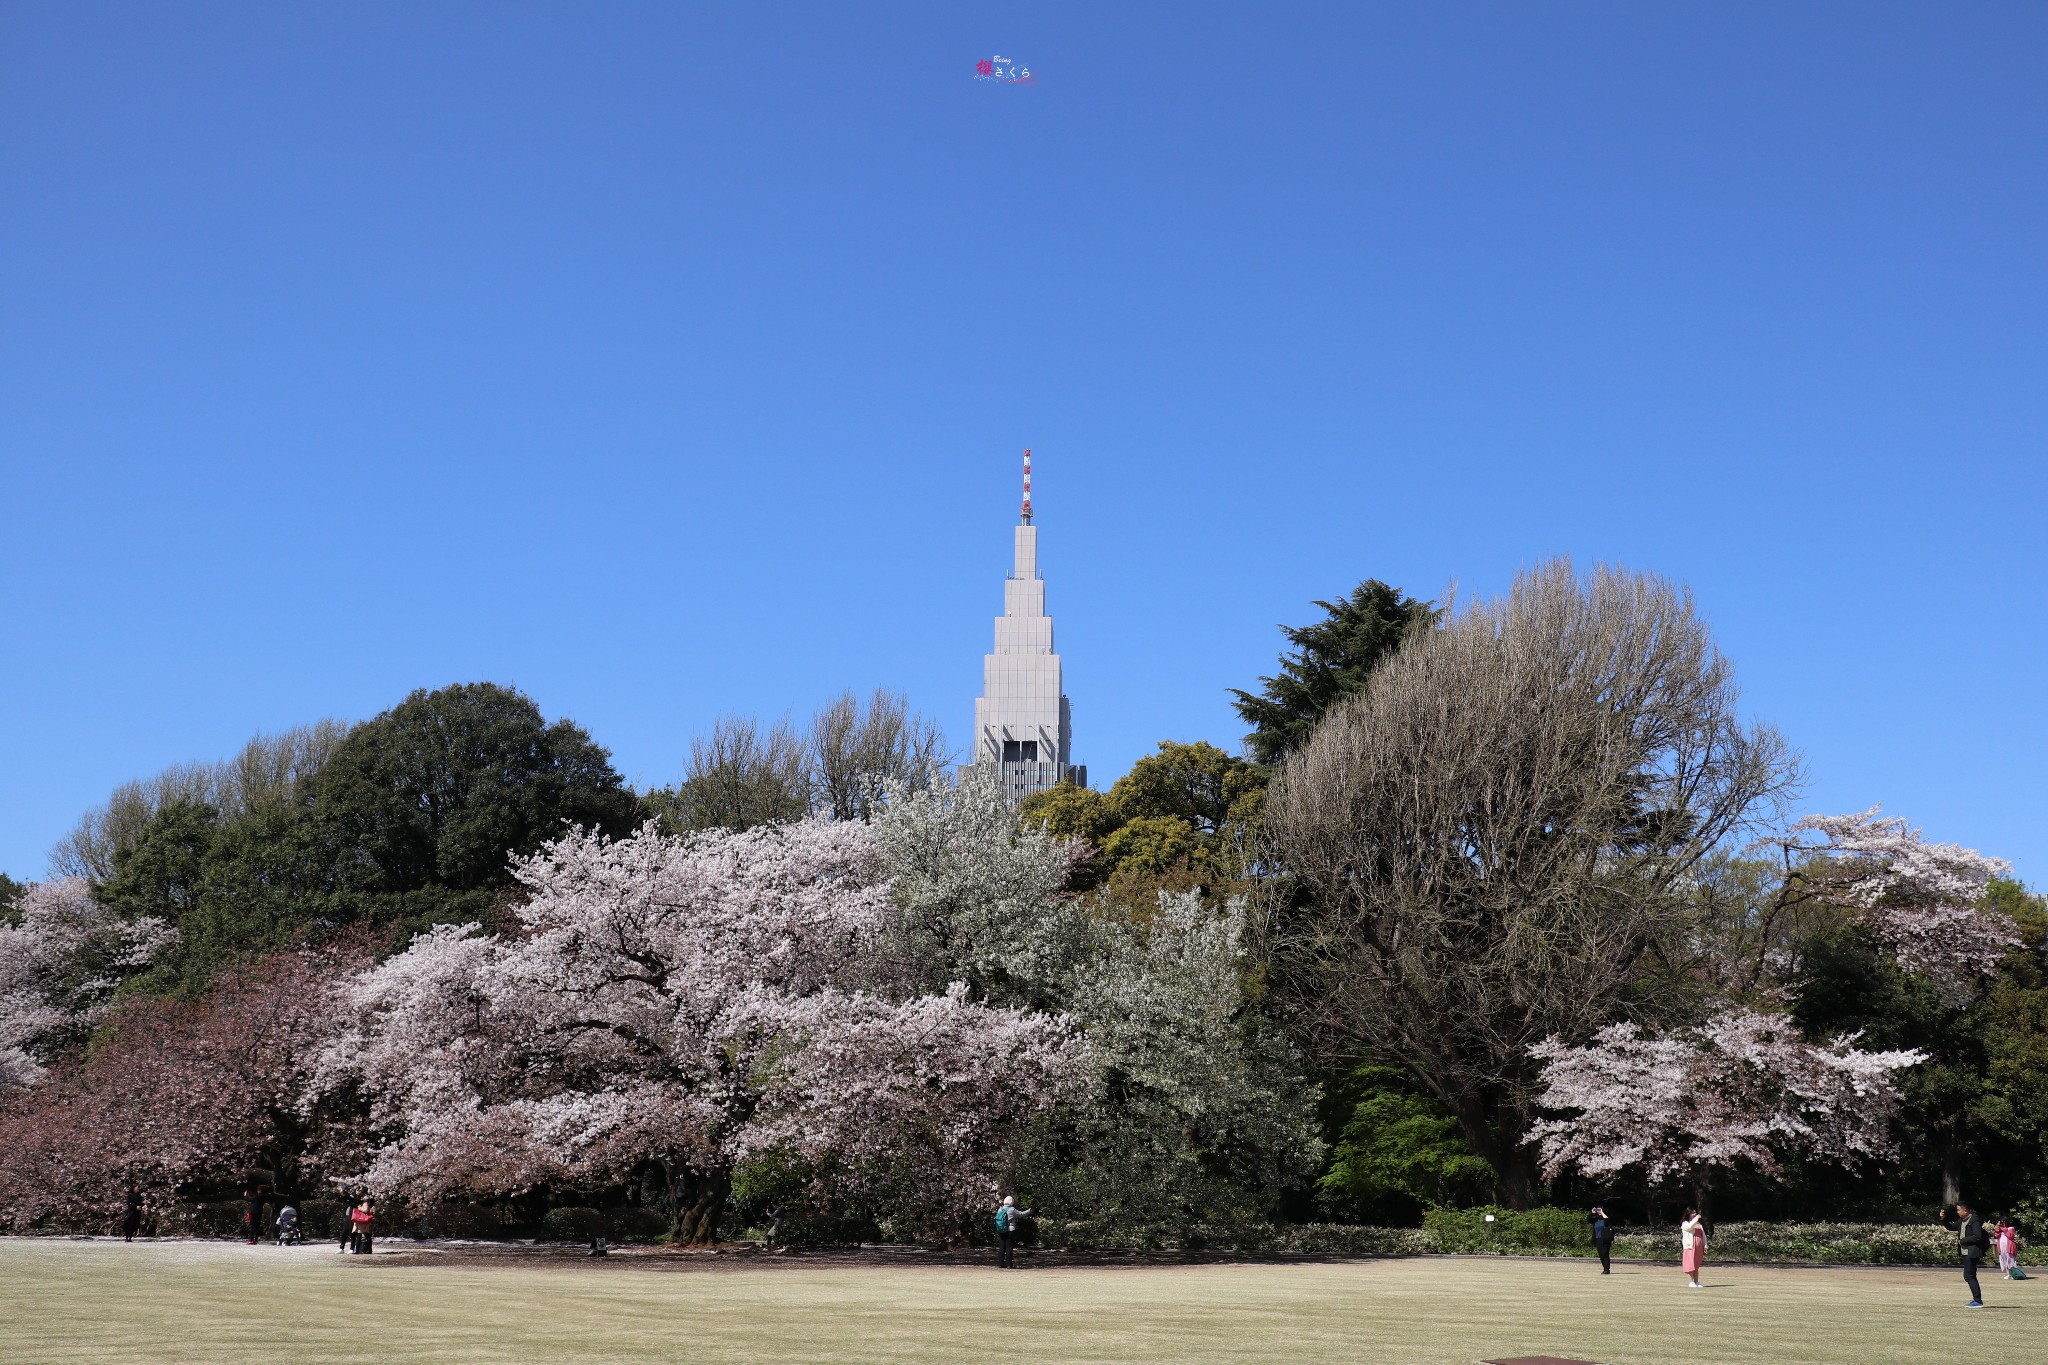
x,y
1542,1232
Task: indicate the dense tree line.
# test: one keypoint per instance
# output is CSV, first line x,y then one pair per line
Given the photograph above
x,y
1504,902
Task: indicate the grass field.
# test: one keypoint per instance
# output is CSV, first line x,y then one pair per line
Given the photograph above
x,y
220,1302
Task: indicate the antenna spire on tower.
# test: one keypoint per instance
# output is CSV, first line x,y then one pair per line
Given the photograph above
x,y
1027,485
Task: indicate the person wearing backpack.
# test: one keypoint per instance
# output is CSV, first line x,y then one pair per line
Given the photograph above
x,y
1007,1216
1972,1241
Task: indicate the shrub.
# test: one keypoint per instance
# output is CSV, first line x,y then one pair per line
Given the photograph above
x,y
1510,1230
636,1224
803,1228
472,1222
572,1224
318,1217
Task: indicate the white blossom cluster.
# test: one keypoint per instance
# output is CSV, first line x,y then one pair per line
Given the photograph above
x,y
1920,897
1743,1088
59,968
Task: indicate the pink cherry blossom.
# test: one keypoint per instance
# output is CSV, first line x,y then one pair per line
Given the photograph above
x,y
1743,1088
679,1004
1921,898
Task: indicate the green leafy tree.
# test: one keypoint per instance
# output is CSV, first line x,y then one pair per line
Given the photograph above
x,y
421,807
1068,811
10,892
1976,1112
1184,815
1152,846
231,887
1197,784
1396,1153
1332,658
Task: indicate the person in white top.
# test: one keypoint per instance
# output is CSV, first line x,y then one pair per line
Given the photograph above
x,y
1692,1237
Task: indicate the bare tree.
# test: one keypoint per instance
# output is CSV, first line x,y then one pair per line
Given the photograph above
x,y
742,775
1482,850
264,775
856,752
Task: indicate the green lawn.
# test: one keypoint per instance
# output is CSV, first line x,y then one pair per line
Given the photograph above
x,y
208,1302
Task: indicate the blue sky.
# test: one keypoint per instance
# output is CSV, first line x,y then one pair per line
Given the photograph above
x,y
664,360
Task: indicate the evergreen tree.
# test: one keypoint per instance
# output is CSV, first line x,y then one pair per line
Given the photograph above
x,y
1332,658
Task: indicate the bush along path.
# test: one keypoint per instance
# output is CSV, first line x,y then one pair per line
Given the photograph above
x,y
1550,1232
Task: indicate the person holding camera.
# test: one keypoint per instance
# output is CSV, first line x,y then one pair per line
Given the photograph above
x,y
1972,1241
1008,1216
1603,1237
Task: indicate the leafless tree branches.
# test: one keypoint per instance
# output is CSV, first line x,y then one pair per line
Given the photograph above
x,y
1480,850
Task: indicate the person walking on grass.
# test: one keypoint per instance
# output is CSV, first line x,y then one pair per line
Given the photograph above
x,y
1007,1216
1603,1237
131,1217
1692,1234
1972,1241
348,1228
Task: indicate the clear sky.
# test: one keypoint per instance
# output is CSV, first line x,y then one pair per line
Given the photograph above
x,y
669,359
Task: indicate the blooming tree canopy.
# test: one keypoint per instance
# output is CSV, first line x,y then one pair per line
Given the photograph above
x,y
1921,898
182,1092
1742,1089
59,967
1202,1112
977,899
669,1006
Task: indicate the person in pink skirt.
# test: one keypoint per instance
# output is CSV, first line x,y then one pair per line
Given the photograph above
x,y
1692,1236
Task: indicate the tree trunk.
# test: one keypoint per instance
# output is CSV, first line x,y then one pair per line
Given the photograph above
x,y
696,1203
1514,1165
1951,1172
1703,1194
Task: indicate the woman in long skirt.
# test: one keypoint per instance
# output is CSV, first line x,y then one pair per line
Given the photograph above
x,y
2007,1240
1692,1236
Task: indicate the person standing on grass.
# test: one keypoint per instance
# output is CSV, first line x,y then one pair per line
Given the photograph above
x,y
255,1196
360,1217
1007,1214
348,1228
1972,1241
1692,1234
1603,1237
2007,1239
131,1217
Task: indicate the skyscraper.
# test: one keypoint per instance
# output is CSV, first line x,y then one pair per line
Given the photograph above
x,y
1021,720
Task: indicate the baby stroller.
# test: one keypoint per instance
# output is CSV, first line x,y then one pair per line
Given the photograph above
x,y
289,1233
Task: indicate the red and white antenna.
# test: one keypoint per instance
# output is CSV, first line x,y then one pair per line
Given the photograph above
x,y
1027,485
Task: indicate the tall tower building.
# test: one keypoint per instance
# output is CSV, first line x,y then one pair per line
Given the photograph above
x,y
1021,720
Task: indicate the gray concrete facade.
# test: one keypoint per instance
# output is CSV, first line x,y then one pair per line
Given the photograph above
x,y
1022,722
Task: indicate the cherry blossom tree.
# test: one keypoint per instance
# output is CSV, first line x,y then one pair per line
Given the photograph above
x,y
1922,899
59,967
1200,1111
179,1093
1742,1089
1196,1108
669,1006
977,898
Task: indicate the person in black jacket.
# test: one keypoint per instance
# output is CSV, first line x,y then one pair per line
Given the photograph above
x,y
1973,1242
1603,1236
